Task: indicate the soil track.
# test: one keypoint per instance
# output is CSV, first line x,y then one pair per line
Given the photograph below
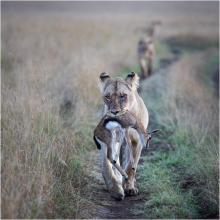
x,y
105,206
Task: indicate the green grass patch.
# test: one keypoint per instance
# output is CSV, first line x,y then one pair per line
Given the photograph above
x,y
173,183
6,62
180,178
190,42
160,178
7,67
127,69
210,73
162,52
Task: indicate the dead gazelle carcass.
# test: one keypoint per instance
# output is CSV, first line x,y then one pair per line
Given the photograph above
x,y
113,131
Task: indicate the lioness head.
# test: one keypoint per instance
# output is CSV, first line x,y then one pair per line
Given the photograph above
x,y
119,95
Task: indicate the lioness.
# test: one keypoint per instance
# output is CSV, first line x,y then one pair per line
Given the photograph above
x,y
146,56
119,96
146,49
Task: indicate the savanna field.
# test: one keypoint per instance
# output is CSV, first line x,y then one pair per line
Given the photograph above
x,y
51,59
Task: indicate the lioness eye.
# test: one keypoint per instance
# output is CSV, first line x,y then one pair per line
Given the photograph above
x,y
107,97
123,96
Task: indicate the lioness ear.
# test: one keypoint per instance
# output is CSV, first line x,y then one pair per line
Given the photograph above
x,y
133,80
104,77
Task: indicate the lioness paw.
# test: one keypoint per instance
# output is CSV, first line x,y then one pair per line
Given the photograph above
x,y
131,192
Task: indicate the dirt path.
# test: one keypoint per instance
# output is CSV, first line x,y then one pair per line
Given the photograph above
x,y
105,206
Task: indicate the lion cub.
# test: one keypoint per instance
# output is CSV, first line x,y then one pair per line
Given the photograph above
x,y
103,132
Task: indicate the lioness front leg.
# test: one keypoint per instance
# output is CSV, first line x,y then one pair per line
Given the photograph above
x,y
143,67
129,185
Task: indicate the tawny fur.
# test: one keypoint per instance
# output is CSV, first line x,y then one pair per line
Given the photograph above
x,y
146,56
146,50
119,96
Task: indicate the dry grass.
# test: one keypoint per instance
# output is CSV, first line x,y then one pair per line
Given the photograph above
x,y
50,96
40,74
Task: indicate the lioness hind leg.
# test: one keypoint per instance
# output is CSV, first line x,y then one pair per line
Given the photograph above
x,y
150,66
